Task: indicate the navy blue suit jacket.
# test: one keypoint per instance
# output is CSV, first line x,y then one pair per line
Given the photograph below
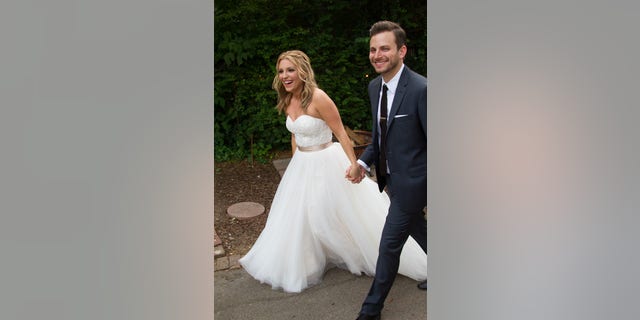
x,y
406,139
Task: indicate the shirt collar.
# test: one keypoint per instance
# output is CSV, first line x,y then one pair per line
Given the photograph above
x,y
393,83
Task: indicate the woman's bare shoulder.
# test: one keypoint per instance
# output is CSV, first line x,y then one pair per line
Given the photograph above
x,y
321,97
319,94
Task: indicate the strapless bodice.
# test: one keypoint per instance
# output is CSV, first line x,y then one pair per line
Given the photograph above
x,y
309,131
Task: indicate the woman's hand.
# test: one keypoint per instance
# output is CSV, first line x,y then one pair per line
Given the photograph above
x,y
354,173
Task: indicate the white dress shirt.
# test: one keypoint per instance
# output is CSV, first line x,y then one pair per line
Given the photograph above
x,y
392,85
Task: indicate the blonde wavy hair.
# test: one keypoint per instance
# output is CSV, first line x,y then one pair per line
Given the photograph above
x,y
302,63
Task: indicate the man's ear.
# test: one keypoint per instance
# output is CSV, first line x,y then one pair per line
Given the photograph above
x,y
403,51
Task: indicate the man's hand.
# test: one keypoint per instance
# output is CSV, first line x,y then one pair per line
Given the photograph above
x,y
355,173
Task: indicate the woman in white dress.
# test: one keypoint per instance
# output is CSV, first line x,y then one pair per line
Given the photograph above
x,y
318,219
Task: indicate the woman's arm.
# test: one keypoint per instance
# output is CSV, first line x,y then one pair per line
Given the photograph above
x,y
328,112
293,144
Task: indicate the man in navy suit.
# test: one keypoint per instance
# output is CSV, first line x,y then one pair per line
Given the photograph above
x,y
399,151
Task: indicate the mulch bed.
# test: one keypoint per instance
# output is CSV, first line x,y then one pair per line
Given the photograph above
x,y
240,181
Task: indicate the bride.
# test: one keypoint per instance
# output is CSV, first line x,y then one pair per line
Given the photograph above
x,y
318,219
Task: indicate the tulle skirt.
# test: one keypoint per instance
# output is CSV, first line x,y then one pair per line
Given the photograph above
x,y
319,220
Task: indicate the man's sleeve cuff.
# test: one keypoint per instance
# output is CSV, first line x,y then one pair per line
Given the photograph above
x,y
364,165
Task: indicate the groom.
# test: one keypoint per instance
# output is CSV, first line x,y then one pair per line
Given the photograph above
x,y
399,151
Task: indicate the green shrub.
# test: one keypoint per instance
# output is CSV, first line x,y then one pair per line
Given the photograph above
x,y
249,36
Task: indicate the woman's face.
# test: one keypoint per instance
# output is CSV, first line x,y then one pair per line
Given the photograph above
x,y
288,75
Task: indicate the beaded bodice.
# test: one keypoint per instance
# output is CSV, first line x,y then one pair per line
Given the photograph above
x,y
309,131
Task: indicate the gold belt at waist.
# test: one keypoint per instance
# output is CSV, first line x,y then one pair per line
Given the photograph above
x,y
316,147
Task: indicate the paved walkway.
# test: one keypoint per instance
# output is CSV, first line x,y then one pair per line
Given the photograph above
x,y
240,297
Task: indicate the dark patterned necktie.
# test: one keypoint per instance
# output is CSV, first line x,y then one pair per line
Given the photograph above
x,y
383,132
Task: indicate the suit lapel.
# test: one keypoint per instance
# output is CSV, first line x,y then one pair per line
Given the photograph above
x,y
375,97
398,96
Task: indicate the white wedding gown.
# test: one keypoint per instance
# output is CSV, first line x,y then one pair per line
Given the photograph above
x,y
318,219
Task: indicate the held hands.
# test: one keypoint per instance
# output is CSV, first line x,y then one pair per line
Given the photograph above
x,y
354,173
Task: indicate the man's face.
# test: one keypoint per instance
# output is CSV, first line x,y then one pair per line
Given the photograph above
x,y
385,56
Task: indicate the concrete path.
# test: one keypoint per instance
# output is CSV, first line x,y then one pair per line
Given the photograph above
x,y
239,297
281,165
